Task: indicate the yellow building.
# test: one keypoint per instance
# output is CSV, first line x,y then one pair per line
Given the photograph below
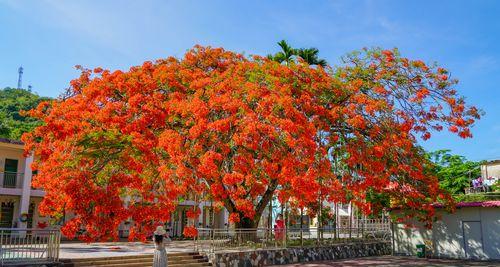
x,y
17,198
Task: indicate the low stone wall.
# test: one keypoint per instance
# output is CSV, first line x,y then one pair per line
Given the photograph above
x,y
295,255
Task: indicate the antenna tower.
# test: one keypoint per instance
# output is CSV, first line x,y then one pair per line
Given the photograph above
x,y
20,79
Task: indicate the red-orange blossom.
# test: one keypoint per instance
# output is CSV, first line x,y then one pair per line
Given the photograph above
x,y
236,130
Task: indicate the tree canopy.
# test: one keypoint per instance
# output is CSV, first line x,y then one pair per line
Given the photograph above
x,y
12,102
237,130
453,171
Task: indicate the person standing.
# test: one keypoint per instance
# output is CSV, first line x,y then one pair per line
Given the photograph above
x,y
160,254
279,229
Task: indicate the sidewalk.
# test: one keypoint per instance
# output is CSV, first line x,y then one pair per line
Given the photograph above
x,y
115,249
393,261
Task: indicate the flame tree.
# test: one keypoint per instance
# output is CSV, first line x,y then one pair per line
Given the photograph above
x,y
240,130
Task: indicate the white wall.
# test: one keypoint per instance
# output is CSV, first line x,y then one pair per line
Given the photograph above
x,y
472,232
37,218
12,153
491,231
406,238
491,169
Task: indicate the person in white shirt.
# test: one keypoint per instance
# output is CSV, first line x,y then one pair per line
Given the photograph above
x,y
489,182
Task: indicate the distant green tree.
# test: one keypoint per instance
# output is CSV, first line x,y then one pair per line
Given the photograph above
x,y
454,171
12,102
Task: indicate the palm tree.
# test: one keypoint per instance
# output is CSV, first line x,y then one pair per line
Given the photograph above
x,y
286,54
310,56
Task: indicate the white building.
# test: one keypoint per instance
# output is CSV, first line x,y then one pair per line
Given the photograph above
x,y
208,218
490,172
491,169
472,232
345,218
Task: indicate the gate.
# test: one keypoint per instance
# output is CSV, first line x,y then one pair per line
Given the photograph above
x,y
29,246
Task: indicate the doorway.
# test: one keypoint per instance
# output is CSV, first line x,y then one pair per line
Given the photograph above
x,y
6,214
180,220
473,239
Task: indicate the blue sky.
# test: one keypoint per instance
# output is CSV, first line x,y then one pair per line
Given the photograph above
x,y
48,38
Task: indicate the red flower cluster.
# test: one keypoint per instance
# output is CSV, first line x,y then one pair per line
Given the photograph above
x,y
237,130
193,213
42,225
190,231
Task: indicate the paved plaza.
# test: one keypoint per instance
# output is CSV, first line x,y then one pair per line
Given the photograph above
x,y
115,249
391,261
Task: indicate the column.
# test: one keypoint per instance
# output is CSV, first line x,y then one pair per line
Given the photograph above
x,y
226,218
26,191
171,227
199,222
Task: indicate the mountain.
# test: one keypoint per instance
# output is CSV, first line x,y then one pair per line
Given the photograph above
x,y
12,101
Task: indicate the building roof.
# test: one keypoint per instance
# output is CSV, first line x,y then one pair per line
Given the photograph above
x,y
484,204
472,204
492,162
11,141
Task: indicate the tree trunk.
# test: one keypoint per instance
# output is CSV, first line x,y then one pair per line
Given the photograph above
x,y
246,229
246,223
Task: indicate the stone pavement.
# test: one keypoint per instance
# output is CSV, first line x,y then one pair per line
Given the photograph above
x,y
390,261
111,249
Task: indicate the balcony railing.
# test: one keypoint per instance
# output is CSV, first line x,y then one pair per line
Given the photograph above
x,y
11,179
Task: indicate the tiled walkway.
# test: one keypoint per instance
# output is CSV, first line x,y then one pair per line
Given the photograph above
x,y
94,250
390,261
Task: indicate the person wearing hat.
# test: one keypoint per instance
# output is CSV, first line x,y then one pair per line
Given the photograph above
x,y
160,255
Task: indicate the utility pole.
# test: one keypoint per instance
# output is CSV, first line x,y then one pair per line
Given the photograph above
x,y
20,78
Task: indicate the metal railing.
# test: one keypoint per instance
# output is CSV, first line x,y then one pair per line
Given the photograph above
x,y
29,246
11,179
211,240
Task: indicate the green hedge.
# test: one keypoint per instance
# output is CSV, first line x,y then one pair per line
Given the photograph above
x,y
477,197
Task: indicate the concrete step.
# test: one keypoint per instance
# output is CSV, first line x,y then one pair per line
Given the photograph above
x,y
187,259
147,256
139,260
110,262
108,258
197,264
144,264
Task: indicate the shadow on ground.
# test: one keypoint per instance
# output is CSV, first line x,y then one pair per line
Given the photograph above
x,y
390,261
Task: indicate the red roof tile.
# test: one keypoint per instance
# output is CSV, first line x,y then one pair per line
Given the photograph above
x,y
484,204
